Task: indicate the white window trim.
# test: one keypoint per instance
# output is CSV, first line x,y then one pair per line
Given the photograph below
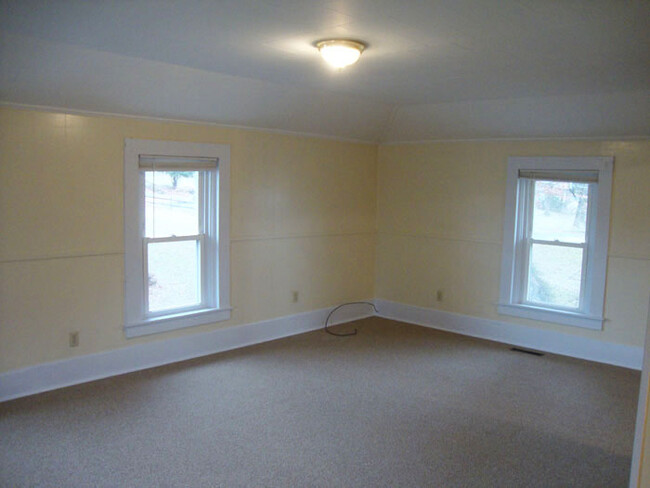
x,y
509,303
135,322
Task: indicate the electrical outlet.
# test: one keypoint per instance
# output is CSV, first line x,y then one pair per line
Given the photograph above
x,y
294,296
74,339
439,295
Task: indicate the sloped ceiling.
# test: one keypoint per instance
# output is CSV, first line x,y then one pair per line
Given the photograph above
x,y
450,69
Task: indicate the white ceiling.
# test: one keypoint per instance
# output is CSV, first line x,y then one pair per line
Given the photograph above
x,y
433,69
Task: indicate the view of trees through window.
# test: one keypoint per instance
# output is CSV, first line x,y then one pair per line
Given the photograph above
x,y
557,244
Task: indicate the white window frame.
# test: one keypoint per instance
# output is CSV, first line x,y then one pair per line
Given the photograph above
x,y
514,261
214,236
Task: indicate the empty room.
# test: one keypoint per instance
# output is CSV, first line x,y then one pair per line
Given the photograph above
x,y
346,243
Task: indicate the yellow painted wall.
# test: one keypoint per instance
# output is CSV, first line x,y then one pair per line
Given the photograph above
x,y
303,218
440,224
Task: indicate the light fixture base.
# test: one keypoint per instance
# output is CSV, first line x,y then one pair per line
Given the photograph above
x,y
340,53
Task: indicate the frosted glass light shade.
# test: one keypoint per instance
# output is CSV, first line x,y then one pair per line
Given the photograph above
x,y
340,53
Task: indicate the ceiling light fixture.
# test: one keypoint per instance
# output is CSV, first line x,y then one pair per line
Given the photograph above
x,y
340,53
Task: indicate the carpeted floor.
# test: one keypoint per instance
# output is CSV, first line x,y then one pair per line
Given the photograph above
x,y
395,406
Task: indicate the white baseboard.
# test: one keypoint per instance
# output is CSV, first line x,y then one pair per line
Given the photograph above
x,y
67,372
541,340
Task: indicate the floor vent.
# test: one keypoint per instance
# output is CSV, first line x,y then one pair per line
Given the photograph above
x,y
526,351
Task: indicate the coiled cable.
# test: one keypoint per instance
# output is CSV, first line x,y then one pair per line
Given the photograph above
x,y
345,334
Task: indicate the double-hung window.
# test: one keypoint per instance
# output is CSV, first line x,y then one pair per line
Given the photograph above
x,y
555,239
176,210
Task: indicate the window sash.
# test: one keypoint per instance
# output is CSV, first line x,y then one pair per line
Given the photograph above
x,y
204,215
525,242
207,225
204,193
526,275
202,283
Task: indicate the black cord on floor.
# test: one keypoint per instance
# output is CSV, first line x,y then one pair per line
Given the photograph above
x,y
345,334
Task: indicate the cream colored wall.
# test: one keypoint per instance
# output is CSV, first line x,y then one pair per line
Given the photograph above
x,y
440,224
303,218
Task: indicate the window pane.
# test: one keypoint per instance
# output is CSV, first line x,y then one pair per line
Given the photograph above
x,y
554,275
172,203
174,277
560,211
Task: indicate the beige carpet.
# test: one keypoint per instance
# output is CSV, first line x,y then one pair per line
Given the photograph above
x,y
395,406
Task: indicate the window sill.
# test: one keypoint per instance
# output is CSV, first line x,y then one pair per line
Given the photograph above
x,y
548,315
176,321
